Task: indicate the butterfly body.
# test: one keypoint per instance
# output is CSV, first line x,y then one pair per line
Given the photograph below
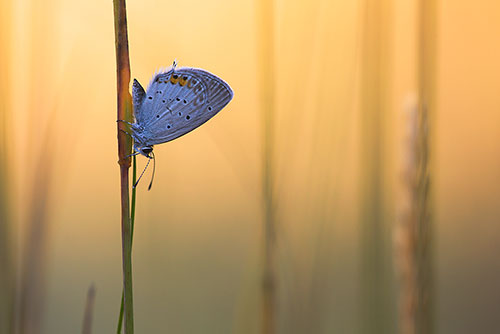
x,y
176,102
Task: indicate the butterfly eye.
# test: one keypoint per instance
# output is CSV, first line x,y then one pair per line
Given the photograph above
x,y
168,126
209,108
178,99
163,101
188,117
150,97
185,102
180,114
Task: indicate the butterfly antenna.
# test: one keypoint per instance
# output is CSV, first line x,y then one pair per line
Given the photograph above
x,y
136,182
154,168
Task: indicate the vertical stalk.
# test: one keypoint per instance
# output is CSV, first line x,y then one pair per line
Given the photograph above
x,y
33,266
426,93
375,240
7,278
89,310
132,223
411,237
265,24
413,233
124,148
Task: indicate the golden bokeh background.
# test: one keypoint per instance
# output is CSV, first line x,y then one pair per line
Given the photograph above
x,y
198,238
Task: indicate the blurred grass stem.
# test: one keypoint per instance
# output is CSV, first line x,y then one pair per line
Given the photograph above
x,y
7,263
33,267
89,310
376,272
427,91
265,12
413,237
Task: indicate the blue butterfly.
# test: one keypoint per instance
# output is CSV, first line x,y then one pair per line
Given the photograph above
x,y
176,102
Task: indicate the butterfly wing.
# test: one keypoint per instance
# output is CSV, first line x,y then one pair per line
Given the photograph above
x,y
178,101
138,96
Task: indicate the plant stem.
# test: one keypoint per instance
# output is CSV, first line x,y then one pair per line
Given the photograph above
x,y
414,237
427,91
132,221
375,273
124,148
265,11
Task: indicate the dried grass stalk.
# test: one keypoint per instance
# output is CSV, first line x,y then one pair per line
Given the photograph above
x,y
124,148
412,231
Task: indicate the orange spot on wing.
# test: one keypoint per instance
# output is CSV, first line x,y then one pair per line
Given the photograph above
x,y
174,79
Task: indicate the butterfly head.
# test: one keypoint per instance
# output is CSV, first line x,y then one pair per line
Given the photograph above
x,y
145,150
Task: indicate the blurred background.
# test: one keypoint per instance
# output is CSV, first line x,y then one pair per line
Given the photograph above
x,y
357,167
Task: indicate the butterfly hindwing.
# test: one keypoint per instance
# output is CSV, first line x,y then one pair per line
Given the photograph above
x,y
219,94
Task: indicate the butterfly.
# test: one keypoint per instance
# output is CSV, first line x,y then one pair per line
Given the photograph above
x,y
177,101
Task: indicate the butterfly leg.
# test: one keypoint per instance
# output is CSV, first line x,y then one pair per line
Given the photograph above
x,y
127,133
131,155
135,153
121,120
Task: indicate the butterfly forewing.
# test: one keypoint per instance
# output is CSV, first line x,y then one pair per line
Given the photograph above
x,y
179,101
